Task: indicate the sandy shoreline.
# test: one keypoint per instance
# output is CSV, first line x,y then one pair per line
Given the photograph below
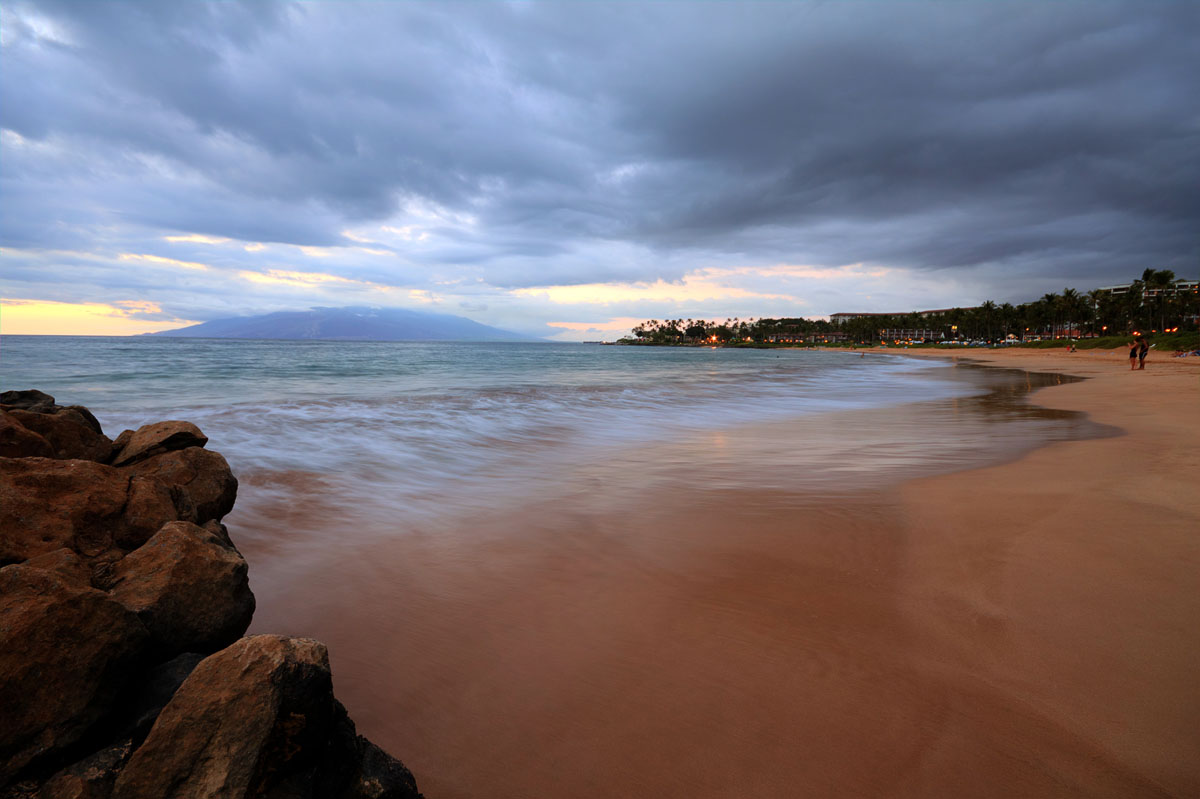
x,y
1069,581
1024,629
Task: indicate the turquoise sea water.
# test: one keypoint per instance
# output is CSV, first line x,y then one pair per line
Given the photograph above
x,y
562,556
402,432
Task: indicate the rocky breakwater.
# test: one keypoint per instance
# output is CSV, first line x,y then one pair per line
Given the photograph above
x,y
124,672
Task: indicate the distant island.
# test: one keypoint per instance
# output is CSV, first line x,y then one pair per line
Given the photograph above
x,y
348,324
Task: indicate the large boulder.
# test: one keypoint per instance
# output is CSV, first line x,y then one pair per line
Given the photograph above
x,y
66,652
137,710
354,768
18,441
69,431
247,720
188,586
93,775
203,486
90,508
48,504
41,402
378,775
29,399
154,439
258,719
106,570
90,778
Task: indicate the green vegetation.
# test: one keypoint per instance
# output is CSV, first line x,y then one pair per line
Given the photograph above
x,y
1156,304
1163,342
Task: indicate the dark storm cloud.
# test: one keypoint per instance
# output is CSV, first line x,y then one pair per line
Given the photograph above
x,y
554,143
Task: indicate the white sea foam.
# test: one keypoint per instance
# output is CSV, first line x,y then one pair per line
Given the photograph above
x,y
415,431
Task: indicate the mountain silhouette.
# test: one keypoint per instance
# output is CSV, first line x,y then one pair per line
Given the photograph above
x,y
349,324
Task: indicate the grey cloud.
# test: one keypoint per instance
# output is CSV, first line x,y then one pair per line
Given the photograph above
x,y
594,142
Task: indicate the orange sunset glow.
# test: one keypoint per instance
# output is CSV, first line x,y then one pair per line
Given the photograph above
x,y
42,318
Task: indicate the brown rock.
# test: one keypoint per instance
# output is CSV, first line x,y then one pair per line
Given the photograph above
x,y
249,719
90,778
69,432
354,768
380,776
66,651
188,587
65,564
121,440
138,710
151,504
154,439
18,441
202,485
89,507
29,398
259,719
88,418
49,504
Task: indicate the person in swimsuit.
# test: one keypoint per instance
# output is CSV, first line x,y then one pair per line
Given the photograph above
x,y
1143,349
1133,353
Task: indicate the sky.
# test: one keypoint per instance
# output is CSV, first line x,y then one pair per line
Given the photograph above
x,y
568,169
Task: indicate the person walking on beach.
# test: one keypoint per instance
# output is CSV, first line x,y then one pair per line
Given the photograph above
x,y
1133,353
1143,349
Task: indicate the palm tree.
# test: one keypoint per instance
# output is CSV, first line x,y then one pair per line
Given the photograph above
x,y
1049,304
1069,303
1158,281
1095,296
1009,317
988,308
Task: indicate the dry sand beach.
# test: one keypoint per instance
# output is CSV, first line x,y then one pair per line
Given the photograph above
x,y
1024,629
1064,589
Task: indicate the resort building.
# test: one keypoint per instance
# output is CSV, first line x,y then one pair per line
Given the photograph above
x,y
1177,287
910,334
838,318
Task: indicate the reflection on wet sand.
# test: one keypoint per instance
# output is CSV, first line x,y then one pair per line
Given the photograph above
x,y
723,614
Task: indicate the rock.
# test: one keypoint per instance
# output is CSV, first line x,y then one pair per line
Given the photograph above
x,y
189,588
18,441
90,778
154,439
137,710
259,719
29,399
219,530
355,768
380,776
65,564
89,507
49,504
120,441
66,652
203,487
69,432
107,570
88,418
250,718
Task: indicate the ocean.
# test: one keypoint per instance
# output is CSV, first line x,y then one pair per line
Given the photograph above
x,y
407,431
577,570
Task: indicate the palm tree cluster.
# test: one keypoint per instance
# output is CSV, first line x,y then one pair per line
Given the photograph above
x,y
698,331
1156,301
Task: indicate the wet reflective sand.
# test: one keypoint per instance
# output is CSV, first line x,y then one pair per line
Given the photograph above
x,y
721,614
